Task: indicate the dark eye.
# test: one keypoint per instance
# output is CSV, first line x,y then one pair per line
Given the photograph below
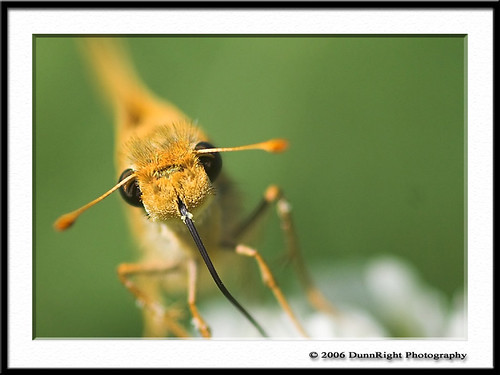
x,y
130,192
212,162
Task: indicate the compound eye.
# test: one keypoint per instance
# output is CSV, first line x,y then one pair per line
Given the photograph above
x,y
130,192
212,162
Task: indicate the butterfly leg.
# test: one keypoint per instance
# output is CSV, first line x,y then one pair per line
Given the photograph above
x,y
158,320
270,282
274,195
197,319
314,295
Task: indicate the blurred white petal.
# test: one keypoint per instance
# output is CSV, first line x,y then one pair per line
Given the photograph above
x,y
384,296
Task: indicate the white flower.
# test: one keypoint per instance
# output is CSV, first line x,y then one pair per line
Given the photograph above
x,y
384,298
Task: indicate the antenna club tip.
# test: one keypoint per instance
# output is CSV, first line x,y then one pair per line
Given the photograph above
x,y
64,222
277,145
272,193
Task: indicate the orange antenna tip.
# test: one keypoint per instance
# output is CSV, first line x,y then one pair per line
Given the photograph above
x,y
276,145
65,221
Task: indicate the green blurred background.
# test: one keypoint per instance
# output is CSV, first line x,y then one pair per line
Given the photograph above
x,y
376,164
